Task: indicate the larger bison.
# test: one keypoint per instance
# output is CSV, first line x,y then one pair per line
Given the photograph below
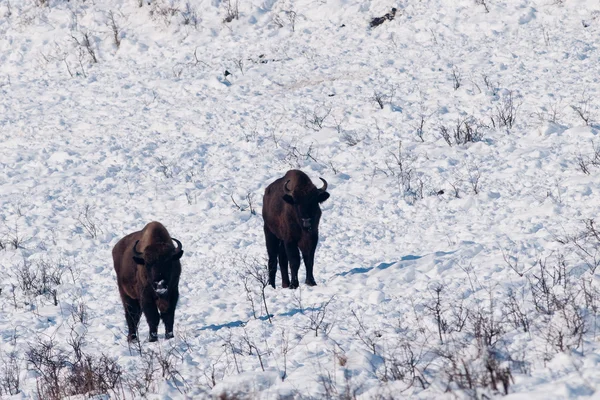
x,y
148,269
291,214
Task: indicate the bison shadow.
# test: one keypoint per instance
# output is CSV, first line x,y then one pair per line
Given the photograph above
x,y
233,324
364,270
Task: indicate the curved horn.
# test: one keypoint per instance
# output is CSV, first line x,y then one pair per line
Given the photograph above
x,y
324,188
178,249
135,250
285,187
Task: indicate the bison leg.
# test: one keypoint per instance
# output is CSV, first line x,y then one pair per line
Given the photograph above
x,y
133,313
283,266
168,317
308,248
152,316
272,251
293,256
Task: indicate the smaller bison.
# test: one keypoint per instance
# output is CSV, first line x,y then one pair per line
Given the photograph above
x,y
291,214
148,269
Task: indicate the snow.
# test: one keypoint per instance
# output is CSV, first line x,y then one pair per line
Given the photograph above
x,y
155,131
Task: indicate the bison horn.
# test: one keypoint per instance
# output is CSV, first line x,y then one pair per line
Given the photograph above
x,y
135,250
178,249
285,187
324,188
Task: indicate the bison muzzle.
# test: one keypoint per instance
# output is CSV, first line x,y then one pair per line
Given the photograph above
x,y
148,269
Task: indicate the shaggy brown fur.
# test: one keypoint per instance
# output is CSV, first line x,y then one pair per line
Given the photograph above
x,y
148,269
291,214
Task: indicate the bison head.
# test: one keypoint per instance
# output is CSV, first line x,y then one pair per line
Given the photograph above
x,y
307,206
158,263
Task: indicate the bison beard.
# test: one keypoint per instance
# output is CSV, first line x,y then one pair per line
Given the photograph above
x,y
148,269
291,214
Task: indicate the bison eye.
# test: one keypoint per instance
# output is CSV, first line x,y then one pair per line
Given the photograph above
x,y
322,197
139,260
288,199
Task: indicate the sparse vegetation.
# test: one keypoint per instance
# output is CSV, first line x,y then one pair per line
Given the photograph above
x,y
249,200
381,98
41,278
61,373
85,43
189,15
315,119
583,108
474,177
317,315
257,273
419,127
163,10
116,31
484,4
456,78
291,15
587,161
232,10
506,111
457,256
466,130
88,222
10,369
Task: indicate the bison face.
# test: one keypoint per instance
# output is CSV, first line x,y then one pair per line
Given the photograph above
x,y
158,269
307,207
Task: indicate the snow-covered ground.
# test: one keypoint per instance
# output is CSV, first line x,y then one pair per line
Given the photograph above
x,y
497,228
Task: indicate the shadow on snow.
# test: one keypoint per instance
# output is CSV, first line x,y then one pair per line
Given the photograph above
x,y
233,324
364,270
386,265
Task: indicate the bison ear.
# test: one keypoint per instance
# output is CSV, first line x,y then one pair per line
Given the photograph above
x,y
138,260
177,255
322,197
288,199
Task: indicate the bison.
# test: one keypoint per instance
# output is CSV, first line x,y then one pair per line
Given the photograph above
x,y
148,269
291,214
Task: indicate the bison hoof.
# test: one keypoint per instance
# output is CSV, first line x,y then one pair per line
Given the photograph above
x,y
169,335
153,337
294,285
132,337
311,282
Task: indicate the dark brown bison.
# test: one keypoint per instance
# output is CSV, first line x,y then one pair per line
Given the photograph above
x,y
291,213
148,269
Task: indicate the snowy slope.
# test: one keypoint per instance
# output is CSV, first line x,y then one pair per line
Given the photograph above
x,y
154,130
